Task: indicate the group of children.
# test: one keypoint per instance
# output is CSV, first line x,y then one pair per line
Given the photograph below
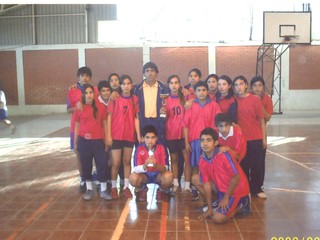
x,y
216,125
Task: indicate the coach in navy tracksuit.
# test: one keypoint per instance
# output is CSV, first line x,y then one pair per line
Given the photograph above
x,y
148,93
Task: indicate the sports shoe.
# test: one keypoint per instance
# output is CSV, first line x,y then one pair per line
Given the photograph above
x,y
262,195
114,193
141,195
127,193
162,196
83,186
88,195
244,207
105,195
195,195
214,206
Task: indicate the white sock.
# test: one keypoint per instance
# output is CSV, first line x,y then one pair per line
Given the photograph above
x,y
126,183
114,183
103,186
175,182
89,185
186,185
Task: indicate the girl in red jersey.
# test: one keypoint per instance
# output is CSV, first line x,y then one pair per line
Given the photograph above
x,y
123,126
89,136
225,98
174,134
188,91
212,81
114,81
257,85
251,120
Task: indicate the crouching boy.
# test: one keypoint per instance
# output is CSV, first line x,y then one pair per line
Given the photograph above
x,y
150,166
228,178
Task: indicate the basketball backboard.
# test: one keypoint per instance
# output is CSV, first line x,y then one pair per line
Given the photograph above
x,y
284,27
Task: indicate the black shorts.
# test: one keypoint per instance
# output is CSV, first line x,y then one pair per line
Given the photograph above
x,y
176,145
119,144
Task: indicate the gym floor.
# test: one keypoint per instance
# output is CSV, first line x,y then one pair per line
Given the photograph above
x,y
40,197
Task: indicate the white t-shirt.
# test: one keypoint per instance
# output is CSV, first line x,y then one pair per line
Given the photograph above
x,y
3,101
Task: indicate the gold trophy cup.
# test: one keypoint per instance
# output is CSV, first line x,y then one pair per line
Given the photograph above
x,y
164,97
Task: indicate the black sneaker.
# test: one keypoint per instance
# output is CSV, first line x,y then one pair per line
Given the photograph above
x,y
244,207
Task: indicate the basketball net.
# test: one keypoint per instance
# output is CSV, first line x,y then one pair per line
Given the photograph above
x,y
291,40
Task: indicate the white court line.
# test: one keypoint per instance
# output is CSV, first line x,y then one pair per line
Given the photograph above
x,y
301,153
293,190
119,228
293,161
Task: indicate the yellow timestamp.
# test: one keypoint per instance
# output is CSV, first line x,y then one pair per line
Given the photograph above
x,y
295,238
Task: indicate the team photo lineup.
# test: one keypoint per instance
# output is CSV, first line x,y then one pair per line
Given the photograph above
x,y
210,132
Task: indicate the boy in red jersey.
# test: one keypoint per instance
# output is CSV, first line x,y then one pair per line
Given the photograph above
x,y
230,137
200,115
251,121
151,166
104,89
227,176
231,140
84,75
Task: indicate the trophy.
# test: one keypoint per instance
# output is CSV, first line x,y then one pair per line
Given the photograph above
x,y
163,96
150,153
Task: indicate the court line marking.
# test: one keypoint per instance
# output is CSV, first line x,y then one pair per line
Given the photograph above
x,y
293,190
294,161
31,219
163,228
295,153
120,226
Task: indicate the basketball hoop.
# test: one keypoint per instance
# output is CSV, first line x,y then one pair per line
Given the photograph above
x,y
291,40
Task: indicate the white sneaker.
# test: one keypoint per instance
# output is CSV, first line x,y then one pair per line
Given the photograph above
x,y
105,195
262,195
88,195
214,206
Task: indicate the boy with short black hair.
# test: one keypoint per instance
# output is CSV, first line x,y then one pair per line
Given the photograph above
x,y
200,115
151,166
230,137
227,176
104,89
